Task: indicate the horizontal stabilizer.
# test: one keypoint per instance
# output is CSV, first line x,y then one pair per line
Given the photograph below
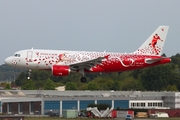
x,y
151,61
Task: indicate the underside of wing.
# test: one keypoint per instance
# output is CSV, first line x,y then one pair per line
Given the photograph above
x,y
87,64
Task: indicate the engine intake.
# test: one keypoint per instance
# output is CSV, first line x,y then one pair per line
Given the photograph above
x,y
59,70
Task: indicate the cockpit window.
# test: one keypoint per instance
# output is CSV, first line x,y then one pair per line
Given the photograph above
x,y
17,55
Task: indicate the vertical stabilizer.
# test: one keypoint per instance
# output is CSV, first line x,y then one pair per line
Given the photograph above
x,y
154,44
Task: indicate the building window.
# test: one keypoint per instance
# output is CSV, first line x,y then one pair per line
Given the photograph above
x,y
132,104
10,107
135,104
142,104
160,104
154,104
32,106
149,104
20,107
138,104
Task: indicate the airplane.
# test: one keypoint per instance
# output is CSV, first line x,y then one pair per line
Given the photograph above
x,y
63,62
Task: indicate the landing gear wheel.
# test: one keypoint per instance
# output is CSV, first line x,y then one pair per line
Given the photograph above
x,y
29,74
83,79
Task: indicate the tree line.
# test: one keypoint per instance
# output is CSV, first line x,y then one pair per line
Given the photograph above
x,y
160,78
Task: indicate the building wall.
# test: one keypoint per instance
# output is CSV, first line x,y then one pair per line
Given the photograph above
x,y
85,103
29,105
25,108
169,100
177,100
22,107
0,107
4,107
148,104
51,106
70,104
109,102
13,107
124,104
35,107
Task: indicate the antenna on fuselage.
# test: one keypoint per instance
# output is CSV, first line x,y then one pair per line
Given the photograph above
x,y
32,48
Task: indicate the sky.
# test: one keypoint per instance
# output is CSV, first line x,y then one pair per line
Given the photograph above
x,y
87,25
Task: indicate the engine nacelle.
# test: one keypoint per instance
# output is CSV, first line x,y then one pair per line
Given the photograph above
x,y
59,70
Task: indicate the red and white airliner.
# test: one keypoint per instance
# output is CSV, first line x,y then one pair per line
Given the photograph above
x,y
62,62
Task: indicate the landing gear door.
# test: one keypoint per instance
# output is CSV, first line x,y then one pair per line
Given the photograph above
x,y
29,56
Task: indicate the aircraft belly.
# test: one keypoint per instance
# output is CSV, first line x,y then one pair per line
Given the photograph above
x,y
109,67
118,66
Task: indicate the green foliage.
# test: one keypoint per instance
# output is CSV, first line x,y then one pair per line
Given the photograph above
x,y
171,88
49,85
28,85
20,79
8,73
92,86
71,86
39,84
159,77
7,86
131,84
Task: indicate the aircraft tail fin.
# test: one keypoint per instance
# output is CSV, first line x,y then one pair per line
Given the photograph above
x,y
154,44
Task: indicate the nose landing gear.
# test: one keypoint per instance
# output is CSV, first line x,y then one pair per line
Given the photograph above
x,y
29,74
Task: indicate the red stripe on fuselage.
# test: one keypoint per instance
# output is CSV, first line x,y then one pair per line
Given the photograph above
x,y
127,64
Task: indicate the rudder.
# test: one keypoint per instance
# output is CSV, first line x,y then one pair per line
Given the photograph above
x,y
154,44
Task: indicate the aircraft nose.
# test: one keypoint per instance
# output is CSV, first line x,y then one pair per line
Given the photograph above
x,y
8,61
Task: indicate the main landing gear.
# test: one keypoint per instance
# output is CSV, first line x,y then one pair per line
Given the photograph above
x,y
83,79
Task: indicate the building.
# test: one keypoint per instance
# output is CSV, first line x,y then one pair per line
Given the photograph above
x,y
41,101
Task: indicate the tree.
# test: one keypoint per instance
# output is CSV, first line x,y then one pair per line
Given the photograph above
x,y
116,86
92,86
7,86
159,77
71,86
171,88
49,85
20,79
131,84
39,84
28,85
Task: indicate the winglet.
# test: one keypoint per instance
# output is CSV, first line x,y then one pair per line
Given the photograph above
x,y
154,44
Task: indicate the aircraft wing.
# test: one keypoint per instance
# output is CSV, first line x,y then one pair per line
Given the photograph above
x,y
151,61
87,64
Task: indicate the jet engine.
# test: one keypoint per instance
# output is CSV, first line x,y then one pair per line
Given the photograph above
x,y
59,70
